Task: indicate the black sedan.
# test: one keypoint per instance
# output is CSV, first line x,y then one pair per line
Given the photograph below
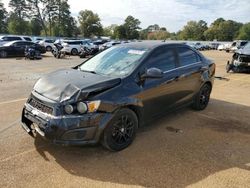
x,y
108,97
17,48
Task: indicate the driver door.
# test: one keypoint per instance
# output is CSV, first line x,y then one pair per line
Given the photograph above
x,y
160,94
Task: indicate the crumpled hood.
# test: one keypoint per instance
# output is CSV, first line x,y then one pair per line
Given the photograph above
x,y
66,84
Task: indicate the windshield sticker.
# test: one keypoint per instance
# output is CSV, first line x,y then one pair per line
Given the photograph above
x,y
136,52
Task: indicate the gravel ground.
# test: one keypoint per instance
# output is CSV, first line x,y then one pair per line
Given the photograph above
x,y
183,149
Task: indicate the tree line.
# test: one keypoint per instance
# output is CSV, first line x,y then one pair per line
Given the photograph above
x,y
53,18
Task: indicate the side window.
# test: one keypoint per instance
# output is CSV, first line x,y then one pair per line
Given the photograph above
x,y
20,44
187,56
15,38
49,41
163,58
27,39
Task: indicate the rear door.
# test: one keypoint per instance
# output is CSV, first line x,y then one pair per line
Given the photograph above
x,y
190,69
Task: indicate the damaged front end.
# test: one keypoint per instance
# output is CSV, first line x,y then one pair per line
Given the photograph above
x,y
240,62
68,114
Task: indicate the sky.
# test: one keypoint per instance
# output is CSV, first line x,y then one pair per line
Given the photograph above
x,y
172,14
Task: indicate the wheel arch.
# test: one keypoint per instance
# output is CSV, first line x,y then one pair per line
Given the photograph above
x,y
137,111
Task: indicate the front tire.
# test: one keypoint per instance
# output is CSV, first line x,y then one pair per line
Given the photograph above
x,y
121,130
201,100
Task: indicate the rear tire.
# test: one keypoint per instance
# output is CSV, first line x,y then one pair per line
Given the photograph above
x,y
120,131
229,67
201,100
48,48
74,51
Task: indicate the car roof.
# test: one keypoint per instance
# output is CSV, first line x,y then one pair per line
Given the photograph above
x,y
150,44
73,40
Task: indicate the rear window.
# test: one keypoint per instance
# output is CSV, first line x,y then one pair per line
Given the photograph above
x,y
187,56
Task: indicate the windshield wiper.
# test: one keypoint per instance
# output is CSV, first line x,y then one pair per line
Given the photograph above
x,y
93,72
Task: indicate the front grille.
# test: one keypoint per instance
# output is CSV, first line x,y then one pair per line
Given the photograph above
x,y
40,106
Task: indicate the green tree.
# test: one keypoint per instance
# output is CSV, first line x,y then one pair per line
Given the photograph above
x,y
153,28
110,30
194,30
16,21
143,34
65,22
18,25
36,10
35,27
244,32
19,8
223,30
131,26
120,32
90,23
3,19
158,35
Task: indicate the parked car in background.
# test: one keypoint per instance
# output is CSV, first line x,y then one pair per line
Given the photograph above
x,y
47,43
108,45
221,47
38,39
238,44
74,46
17,48
241,60
8,38
214,45
197,45
99,42
108,97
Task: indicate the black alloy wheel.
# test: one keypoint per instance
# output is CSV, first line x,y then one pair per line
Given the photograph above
x,y
121,130
202,98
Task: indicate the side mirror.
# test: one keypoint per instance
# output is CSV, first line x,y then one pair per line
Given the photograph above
x,y
152,73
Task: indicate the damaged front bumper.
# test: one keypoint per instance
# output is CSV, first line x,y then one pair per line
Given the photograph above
x,y
65,130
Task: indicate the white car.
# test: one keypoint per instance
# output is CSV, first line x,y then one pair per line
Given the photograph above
x,y
8,38
74,46
221,47
47,43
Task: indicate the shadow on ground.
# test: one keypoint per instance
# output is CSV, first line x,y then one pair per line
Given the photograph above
x,y
207,142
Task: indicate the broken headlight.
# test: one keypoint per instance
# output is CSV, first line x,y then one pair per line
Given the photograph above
x,y
82,107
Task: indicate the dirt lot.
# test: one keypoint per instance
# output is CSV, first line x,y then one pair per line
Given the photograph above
x,y
212,148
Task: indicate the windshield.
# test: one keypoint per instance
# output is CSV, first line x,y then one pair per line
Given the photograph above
x,y
247,46
115,61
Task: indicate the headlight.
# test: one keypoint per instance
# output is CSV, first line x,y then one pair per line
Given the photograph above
x,y
69,109
82,107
